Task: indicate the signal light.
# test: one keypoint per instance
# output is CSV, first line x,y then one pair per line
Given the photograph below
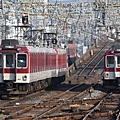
x,y
25,19
54,41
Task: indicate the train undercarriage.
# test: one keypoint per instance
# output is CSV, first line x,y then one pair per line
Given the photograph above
x,y
10,88
111,84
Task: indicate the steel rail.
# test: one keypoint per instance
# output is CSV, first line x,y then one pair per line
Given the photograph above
x,y
86,116
118,116
62,104
92,60
95,66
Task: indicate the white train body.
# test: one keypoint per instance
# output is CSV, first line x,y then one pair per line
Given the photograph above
x,y
25,66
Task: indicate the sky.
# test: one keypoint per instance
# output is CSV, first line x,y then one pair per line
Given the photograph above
x,y
71,0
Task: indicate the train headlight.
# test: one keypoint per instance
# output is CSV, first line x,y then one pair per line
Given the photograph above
x,y
24,78
112,51
107,75
18,49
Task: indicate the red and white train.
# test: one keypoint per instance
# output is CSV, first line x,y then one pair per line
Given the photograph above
x,y
111,78
28,68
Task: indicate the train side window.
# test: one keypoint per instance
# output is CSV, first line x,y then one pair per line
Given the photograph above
x,y
21,60
0,60
110,61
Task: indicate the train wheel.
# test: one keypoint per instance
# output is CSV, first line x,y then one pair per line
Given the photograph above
x,y
28,88
42,84
39,86
24,88
20,87
46,83
49,82
17,87
32,88
35,86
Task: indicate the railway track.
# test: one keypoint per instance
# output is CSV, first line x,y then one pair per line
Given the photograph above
x,y
74,99
44,107
107,106
93,63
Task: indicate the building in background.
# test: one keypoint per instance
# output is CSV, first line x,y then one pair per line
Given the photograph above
x,y
72,52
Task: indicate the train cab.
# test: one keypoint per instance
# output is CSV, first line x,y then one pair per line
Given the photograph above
x,y
112,68
13,63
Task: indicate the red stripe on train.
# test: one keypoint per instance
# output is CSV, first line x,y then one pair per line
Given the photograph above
x,y
8,70
109,69
112,69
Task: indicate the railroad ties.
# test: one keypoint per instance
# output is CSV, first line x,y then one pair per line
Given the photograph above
x,y
80,96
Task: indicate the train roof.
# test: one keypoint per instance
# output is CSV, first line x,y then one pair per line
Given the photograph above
x,y
46,50
115,49
115,46
112,52
108,52
15,44
10,42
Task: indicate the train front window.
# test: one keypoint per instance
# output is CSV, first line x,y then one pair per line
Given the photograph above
x,y
21,60
110,61
9,60
0,60
118,61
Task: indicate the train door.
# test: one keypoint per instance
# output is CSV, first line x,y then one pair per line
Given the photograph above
x,y
9,66
117,66
1,64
